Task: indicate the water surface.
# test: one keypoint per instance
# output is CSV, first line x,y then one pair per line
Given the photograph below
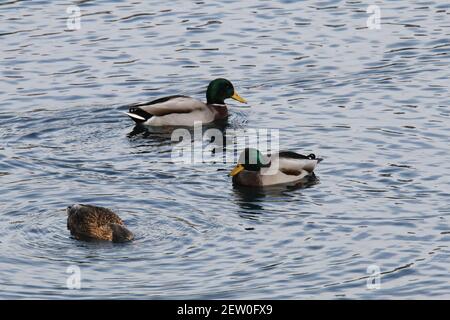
x,y
373,103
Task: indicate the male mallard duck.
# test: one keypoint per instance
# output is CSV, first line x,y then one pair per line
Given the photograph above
x,y
257,170
87,222
185,111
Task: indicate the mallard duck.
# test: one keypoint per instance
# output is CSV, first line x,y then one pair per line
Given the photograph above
x,y
87,222
181,110
286,167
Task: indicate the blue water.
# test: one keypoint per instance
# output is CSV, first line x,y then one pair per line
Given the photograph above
x,y
373,103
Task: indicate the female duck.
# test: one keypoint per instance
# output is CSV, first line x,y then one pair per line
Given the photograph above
x,y
87,222
185,111
286,167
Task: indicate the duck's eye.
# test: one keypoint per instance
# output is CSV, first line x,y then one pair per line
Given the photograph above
x,y
312,156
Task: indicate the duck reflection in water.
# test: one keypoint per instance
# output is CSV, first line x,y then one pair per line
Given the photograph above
x,y
252,200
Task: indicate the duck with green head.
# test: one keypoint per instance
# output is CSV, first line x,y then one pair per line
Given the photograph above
x,y
182,110
285,167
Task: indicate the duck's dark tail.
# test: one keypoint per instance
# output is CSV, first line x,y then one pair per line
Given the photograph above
x,y
138,115
120,233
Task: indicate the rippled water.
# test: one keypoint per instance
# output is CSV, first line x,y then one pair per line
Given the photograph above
x,y
373,103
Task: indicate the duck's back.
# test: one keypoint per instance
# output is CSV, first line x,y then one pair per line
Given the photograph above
x,y
176,111
87,222
172,104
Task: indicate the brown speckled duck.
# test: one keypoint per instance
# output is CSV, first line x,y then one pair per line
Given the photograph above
x,y
87,222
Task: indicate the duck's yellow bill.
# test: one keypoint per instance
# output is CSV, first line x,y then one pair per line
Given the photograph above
x,y
237,97
236,170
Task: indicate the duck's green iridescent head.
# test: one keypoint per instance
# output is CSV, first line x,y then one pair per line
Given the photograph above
x,y
250,159
219,90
